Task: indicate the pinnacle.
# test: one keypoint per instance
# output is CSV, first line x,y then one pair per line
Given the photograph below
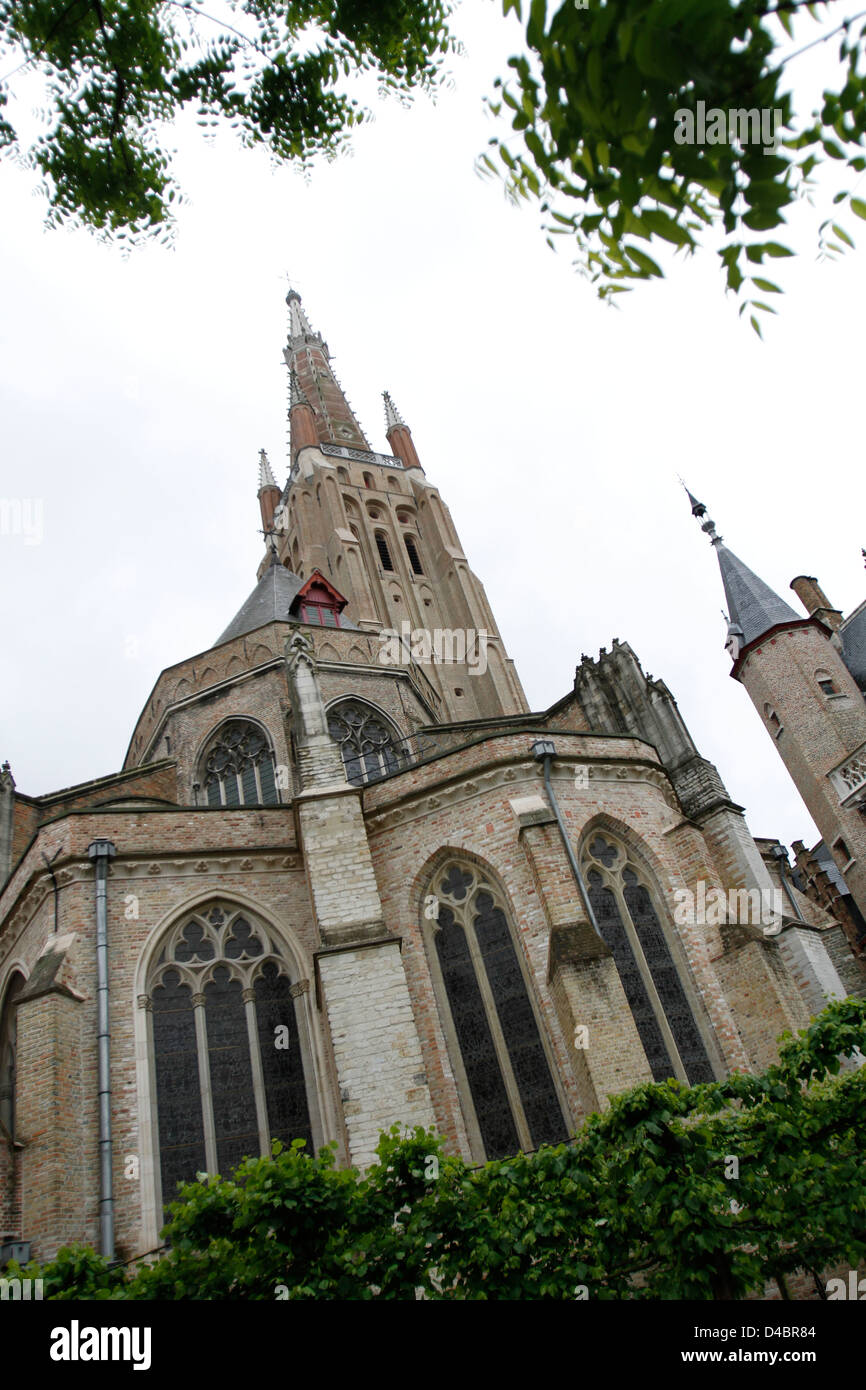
x,y
266,475
392,414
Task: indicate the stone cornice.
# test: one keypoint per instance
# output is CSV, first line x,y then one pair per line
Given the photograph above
x,y
516,768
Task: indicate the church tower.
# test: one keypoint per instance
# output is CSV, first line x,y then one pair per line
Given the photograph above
x,y
802,677
378,531
346,879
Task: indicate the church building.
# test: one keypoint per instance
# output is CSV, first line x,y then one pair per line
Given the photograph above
x,y
347,879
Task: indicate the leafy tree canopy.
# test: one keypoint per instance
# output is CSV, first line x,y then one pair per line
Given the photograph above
x,y
118,70
675,1192
639,121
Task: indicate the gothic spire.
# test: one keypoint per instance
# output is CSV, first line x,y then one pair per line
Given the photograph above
x,y
312,382
266,475
753,607
392,414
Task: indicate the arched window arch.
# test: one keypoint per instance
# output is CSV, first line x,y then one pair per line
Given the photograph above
x,y
369,742
630,925
8,1055
231,1055
509,1095
384,552
412,552
237,766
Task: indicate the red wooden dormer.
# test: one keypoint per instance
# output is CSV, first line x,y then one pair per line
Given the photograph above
x,y
318,602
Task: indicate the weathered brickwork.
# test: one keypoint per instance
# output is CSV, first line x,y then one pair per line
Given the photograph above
x,y
340,877
815,732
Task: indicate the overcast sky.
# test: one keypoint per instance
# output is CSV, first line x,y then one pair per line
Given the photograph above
x,y
136,392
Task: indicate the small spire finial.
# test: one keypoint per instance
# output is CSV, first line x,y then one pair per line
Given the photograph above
x,y
699,510
266,475
392,414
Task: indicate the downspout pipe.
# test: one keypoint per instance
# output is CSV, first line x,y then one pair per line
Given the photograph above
x,y
543,750
781,856
101,851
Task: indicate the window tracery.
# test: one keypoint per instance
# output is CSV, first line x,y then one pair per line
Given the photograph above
x,y
238,766
631,927
227,1046
509,1092
369,744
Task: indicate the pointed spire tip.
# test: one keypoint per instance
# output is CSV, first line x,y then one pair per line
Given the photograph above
x,y
393,417
266,474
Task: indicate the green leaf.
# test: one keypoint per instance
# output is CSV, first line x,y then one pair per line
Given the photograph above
x,y
858,207
643,261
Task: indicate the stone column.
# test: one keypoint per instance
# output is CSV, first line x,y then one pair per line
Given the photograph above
x,y
54,1183
362,983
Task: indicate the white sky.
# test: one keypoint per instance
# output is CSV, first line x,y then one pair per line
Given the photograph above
x,y
136,392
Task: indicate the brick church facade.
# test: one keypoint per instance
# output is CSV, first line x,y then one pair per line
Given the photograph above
x,y
347,879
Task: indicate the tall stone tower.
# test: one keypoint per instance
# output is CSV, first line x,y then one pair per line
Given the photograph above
x,y
378,530
806,678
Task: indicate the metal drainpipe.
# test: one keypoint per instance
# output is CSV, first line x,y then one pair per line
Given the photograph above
x,y
782,859
100,851
543,751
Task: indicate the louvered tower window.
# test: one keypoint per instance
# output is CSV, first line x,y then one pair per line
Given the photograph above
x,y
412,552
630,925
509,1096
384,552
238,767
227,1026
369,744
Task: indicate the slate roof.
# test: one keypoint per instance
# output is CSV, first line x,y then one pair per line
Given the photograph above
x,y
853,634
751,603
269,602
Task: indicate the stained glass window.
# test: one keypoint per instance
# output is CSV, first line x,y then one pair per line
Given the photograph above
x,y
631,927
491,1020
238,766
227,1046
8,1048
368,743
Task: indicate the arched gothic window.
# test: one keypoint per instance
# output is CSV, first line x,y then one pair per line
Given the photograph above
x,y
509,1096
8,1050
384,552
229,1046
412,552
630,925
237,768
369,743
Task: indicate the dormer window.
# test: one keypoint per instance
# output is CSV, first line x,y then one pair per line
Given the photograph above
x,y
318,602
319,606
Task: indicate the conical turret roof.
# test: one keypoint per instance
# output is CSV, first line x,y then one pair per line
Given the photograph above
x,y
751,603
